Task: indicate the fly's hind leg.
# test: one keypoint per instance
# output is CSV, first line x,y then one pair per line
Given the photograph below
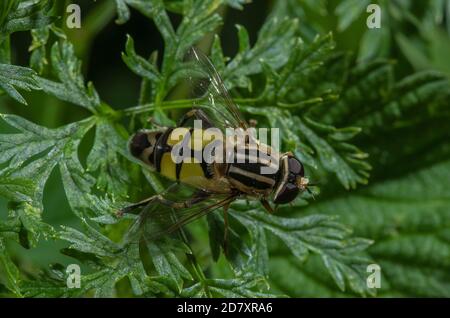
x,y
196,114
159,198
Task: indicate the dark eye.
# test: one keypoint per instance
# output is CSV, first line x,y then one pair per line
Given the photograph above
x,y
287,194
296,167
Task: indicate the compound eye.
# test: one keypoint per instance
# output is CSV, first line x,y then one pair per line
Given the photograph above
x,y
296,167
287,194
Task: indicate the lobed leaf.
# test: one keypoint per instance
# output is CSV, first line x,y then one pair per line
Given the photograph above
x,y
71,87
13,77
48,148
408,218
25,15
320,235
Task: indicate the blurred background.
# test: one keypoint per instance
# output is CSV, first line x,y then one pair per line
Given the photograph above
x,y
414,35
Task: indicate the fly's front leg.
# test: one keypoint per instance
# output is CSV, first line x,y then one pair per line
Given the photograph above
x,y
267,206
196,114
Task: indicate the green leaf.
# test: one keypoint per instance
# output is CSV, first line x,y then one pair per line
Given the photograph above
x,y
16,189
116,263
259,255
77,182
92,241
320,235
235,249
9,273
167,263
375,43
5,8
48,148
139,65
349,11
198,20
408,218
38,59
122,11
32,228
418,97
25,15
104,158
241,287
237,4
273,46
155,10
71,87
12,77
415,56
344,159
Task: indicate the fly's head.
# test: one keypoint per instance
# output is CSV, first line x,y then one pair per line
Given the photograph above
x,y
292,180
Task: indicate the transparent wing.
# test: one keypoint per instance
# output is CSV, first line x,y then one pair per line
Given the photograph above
x,y
211,93
162,217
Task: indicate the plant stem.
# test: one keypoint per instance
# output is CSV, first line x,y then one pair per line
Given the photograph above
x,y
175,104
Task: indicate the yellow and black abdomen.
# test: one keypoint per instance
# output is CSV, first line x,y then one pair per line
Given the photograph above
x,y
155,149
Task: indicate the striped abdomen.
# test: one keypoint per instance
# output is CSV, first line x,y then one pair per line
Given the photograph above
x,y
154,148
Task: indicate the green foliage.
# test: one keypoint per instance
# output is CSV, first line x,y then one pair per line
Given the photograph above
x,y
425,49
332,112
71,87
19,16
48,148
21,77
313,234
24,15
409,220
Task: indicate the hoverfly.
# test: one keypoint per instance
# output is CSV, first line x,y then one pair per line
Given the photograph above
x,y
217,184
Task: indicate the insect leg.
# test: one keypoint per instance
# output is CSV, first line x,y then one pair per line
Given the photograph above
x,y
267,206
135,206
196,114
198,197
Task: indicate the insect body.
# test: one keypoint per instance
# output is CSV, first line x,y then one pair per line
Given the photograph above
x,y
154,149
218,182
